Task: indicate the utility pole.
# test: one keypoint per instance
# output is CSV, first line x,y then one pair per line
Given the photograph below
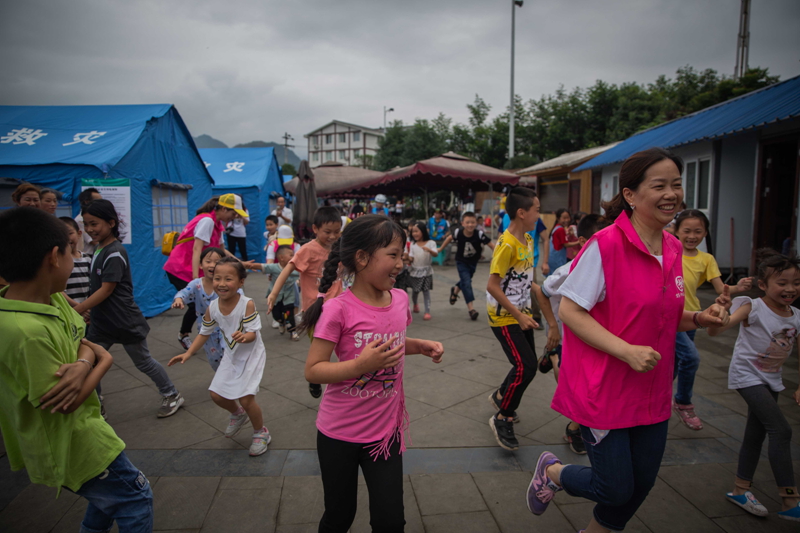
x,y
514,4
286,138
743,42
385,110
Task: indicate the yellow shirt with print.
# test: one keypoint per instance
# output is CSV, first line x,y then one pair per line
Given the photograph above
x,y
512,260
696,271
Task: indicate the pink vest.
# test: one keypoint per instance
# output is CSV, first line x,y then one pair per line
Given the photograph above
x,y
643,306
179,262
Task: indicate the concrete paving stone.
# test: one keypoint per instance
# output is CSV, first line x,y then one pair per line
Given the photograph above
x,y
417,410
36,508
297,431
580,514
429,331
151,462
448,430
118,379
183,502
481,369
734,402
712,374
527,456
732,425
666,510
302,501
298,528
480,522
132,403
252,510
504,494
281,368
273,406
218,443
194,387
763,478
250,482
754,524
458,460
678,430
462,495
301,463
550,433
442,390
415,370
705,386
696,451
709,408
72,519
11,483
178,431
461,322
224,463
295,390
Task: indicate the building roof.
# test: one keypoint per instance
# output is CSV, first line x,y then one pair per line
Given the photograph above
x,y
374,131
776,103
566,160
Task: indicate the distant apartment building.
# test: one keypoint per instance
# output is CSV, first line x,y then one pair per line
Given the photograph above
x,y
342,142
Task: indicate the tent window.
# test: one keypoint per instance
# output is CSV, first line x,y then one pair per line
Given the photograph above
x,y
170,211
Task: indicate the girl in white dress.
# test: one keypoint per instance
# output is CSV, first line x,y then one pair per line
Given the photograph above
x,y
239,373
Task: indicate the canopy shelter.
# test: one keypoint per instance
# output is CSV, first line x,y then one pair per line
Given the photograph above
x,y
253,174
141,158
336,180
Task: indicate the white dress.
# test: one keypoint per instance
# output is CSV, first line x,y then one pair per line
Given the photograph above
x,y
239,373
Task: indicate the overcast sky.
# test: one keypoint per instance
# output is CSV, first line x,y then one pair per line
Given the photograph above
x,y
252,70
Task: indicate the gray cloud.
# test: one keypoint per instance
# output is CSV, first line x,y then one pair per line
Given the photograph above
x,y
245,70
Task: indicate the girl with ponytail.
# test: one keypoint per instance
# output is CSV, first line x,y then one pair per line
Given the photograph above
x,y
362,416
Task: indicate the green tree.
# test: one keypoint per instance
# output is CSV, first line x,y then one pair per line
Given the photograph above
x,y
289,170
391,146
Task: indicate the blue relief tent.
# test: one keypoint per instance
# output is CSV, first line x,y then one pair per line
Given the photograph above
x,y
144,151
253,174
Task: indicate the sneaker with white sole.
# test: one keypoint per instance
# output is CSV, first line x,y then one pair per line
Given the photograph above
x,y
295,336
748,502
504,433
235,423
542,489
792,514
170,405
274,324
281,327
687,415
261,440
185,341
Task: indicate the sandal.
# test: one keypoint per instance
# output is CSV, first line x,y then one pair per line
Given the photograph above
x,y
453,296
473,315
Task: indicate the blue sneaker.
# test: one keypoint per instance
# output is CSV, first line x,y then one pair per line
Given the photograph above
x,y
749,503
792,514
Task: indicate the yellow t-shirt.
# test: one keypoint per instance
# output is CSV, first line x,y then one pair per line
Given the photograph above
x,y
513,262
696,271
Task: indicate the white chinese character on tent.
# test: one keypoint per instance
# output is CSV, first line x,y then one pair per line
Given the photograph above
x,y
86,138
206,164
27,136
236,165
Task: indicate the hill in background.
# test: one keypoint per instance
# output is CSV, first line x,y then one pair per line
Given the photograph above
x,y
207,141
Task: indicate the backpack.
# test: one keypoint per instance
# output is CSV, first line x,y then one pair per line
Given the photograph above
x,y
170,241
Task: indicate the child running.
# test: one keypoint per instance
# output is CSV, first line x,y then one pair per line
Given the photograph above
x,y
469,241
309,261
508,303
200,292
240,371
78,285
767,333
420,271
283,310
362,416
49,412
115,317
691,228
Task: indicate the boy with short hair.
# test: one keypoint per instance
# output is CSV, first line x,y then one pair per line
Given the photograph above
x,y
271,224
469,245
309,262
49,411
508,302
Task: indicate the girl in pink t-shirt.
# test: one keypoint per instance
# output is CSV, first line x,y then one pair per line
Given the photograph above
x,y
362,415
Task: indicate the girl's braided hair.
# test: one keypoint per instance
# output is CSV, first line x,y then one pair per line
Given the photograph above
x,y
367,234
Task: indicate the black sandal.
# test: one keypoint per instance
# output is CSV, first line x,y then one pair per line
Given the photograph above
x,y
453,295
473,315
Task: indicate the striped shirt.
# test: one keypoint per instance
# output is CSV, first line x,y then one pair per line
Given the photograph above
x,y
78,283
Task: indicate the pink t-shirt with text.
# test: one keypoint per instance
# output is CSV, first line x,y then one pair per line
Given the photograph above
x,y
372,407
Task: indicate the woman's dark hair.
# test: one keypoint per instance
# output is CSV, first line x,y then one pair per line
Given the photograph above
x,y
771,262
212,250
686,214
210,205
85,197
424,229
236,264
23,188
104,210
28,235
69,221
631,175
367,234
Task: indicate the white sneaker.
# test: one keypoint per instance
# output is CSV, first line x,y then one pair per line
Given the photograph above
x,y
261,440
282,328
274,324
295,336
235,424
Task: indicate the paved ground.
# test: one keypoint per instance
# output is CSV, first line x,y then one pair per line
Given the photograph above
x,y
457,479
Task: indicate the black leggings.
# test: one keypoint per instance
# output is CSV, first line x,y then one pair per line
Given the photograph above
x,y
339,461
191,315
284,314
517,344
241,242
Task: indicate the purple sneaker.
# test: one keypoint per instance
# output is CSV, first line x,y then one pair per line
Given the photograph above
x,y
542,489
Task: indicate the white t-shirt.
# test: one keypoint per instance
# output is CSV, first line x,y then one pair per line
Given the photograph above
x,y
238,226
285,213
764,343
586,285
204,229
551,287
421,266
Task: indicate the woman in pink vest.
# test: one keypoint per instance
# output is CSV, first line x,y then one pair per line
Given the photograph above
x,y
203,231
622,305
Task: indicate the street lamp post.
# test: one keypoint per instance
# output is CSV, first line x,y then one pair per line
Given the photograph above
x,y
385,110
514,4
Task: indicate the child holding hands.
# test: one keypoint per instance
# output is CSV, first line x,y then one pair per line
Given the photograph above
x,y
283,310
